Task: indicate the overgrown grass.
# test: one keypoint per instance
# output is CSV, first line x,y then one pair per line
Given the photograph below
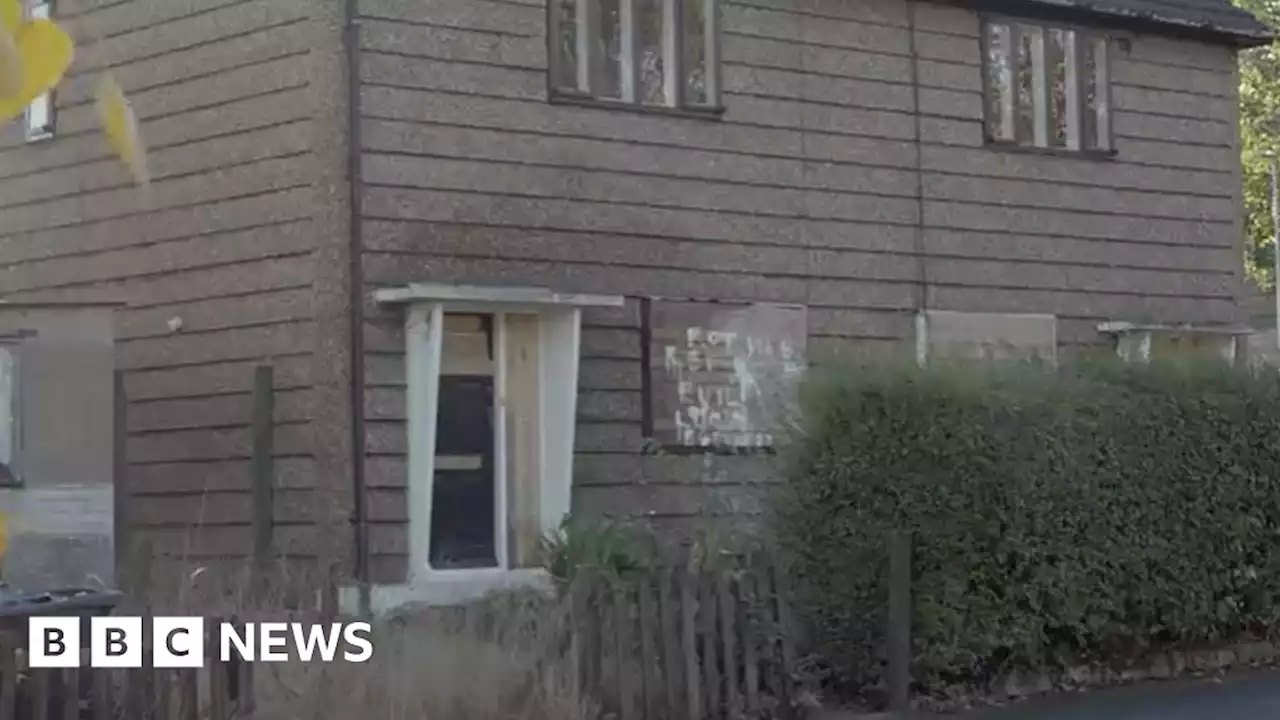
x,y
500,659
503,657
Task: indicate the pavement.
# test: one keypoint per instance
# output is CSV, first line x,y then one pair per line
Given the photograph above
x,y
1251,695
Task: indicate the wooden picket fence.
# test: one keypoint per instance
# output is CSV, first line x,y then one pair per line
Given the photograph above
x,y
217,691
686,645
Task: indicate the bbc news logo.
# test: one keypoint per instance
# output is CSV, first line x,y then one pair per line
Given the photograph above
x,y
179,642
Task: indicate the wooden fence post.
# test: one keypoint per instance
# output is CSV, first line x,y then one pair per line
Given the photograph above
x,y
898,632
122,539
261,469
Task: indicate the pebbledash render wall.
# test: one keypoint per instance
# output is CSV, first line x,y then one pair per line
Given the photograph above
x,y
845,174
243,247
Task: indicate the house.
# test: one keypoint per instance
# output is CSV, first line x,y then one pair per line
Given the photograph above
x,y
628,218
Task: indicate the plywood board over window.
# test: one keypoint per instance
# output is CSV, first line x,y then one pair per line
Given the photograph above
x,y
986,336
720,376
1135,342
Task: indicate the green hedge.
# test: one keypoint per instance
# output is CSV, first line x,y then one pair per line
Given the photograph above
x,y
1060,517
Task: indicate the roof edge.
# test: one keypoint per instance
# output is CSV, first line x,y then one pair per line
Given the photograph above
x,y
1085,11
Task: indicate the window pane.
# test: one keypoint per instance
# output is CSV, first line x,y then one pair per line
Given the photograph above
x,y
1093,104
649,22
463,492
611,48
7,424
695,55
1090,137
40,116
1026,85
998,91
567,47
1056,54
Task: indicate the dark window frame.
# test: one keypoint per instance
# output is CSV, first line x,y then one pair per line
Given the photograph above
x,y
1085,35
589,73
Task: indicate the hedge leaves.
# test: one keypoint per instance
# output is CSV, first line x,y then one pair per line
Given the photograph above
x,y
1060,517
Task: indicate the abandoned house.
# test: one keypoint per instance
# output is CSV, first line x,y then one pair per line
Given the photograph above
x,y
498,251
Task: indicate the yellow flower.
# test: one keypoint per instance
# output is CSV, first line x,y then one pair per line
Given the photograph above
x,y
121,128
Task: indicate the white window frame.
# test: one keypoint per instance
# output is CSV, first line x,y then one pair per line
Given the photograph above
x,y
559,342
589,70
1074,93
10,409
39,117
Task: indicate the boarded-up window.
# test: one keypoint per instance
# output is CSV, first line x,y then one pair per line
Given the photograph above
x,y
720,376
942,334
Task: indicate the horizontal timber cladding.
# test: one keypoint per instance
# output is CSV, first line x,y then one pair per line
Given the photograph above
x,y
829,181
220,273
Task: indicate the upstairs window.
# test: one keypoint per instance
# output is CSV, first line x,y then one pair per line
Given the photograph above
x,y
1046,87
647,53
38,117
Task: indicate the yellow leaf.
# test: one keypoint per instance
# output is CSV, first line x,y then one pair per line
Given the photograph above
x,y
10,65
120,125
10,15
45,51
4,533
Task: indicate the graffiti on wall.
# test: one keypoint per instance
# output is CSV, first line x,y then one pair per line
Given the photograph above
x,y
723,376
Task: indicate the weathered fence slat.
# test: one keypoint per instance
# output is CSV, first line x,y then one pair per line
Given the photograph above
x,y
148,687
672,669
689,648
772,635
103,697
750,643
728,636
247,698
189,694
71,694
707,608
622,645
591,617
218,690
165,682
785,629
39,696
648,651
8,678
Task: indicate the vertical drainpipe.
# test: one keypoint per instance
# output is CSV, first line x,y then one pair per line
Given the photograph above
x,y
355,184
922,276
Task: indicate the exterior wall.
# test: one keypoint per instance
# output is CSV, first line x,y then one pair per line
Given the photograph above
x,y
832,180
239,108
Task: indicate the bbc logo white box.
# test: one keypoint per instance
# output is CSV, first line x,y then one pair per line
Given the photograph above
x,y
177,642
53,642
115,642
